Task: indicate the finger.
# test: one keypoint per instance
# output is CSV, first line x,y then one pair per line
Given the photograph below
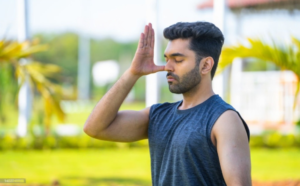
x,y
150,34
159,68
149,38
153,38
141,42
146,32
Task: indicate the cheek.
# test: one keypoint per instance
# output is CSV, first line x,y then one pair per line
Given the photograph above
x,y
184,68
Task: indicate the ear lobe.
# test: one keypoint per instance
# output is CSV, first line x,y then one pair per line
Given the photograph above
x,y
208,64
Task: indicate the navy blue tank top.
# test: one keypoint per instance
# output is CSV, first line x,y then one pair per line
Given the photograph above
x,y
181,150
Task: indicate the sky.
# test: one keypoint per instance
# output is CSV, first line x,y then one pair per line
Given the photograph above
x,y
124,20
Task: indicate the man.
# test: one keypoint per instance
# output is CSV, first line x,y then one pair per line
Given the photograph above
x,y
200,140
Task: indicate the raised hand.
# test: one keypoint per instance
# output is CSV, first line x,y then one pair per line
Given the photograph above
x,y
143,62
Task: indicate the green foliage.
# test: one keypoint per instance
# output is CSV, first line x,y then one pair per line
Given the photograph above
x,y
285,57
254,64
13,50
9,141
38,75
108,49
12,142
63,51
288,140
256,141
274,139
298,123
8,90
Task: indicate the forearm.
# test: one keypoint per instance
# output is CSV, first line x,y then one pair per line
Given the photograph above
x,y
105,122
107,108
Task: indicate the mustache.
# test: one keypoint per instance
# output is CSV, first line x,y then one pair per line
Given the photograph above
x,y
173,75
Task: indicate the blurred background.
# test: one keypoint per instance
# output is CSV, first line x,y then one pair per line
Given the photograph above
x,y
58,58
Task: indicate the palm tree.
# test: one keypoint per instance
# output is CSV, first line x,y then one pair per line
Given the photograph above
x,y
39,75
286,57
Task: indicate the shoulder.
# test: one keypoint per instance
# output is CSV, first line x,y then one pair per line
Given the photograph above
x,y
229,126
160,107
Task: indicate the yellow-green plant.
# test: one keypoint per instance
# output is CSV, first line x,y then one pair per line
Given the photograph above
x,y
285,56
39,74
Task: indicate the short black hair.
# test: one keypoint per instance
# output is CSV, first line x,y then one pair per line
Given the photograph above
x,y
206,39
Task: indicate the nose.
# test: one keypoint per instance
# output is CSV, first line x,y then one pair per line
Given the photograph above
x,y
169,67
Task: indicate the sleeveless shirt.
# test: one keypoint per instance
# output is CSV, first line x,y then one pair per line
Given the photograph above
x,y
181,150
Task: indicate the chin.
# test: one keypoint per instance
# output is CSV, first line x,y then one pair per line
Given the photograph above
x,y
174,90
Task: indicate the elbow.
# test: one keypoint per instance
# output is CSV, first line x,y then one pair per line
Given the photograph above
x,y
88,130
92,131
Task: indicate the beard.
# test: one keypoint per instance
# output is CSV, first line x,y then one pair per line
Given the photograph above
x,y
187,82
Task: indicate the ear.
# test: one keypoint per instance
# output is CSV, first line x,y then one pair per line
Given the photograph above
x,y
206,65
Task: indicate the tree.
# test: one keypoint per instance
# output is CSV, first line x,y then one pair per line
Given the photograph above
x,y
39,74
286,57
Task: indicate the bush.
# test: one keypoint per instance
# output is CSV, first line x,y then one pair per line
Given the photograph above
x,y
272,138
288,140
53,141
268,139
8,141
24,143
256,141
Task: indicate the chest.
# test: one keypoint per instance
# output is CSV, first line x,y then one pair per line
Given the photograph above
x,y
180,133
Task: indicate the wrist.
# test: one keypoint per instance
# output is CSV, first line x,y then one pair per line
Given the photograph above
x,y
132,75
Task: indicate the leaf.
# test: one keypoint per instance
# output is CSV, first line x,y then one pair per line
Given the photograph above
x,y
286,57
12,50
296,95
37,73
50,91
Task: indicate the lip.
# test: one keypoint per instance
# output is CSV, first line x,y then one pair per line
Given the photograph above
x,y
170,78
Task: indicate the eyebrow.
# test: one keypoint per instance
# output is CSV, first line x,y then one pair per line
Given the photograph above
x,y
175,55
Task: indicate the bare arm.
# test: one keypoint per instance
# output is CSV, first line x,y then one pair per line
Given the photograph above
x,y
106,122
233,149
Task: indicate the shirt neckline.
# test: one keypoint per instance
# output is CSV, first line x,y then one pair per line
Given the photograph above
x,y
195,107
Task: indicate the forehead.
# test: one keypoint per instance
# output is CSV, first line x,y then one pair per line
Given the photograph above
x,y
178,46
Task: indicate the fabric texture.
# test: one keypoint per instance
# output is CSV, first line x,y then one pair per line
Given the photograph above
x,y
181,150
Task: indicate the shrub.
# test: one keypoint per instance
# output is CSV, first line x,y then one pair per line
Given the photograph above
x,y
256,141
8,141
272,138
24,143
288,140
268,139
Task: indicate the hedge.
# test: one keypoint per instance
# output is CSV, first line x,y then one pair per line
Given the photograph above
x,y
13,142
10,141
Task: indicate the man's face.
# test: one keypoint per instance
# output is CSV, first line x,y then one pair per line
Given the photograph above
x,y
183,70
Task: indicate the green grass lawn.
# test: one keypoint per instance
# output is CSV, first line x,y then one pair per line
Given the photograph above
x,y
116,167
79,167
275,164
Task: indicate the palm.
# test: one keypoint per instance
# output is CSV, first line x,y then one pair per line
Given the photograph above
x,y
287,57
38,73
143,62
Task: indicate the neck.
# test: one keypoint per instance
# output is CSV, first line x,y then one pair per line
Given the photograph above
x,y
197,95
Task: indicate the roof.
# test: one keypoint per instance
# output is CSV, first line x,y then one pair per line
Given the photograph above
x,y
242,3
